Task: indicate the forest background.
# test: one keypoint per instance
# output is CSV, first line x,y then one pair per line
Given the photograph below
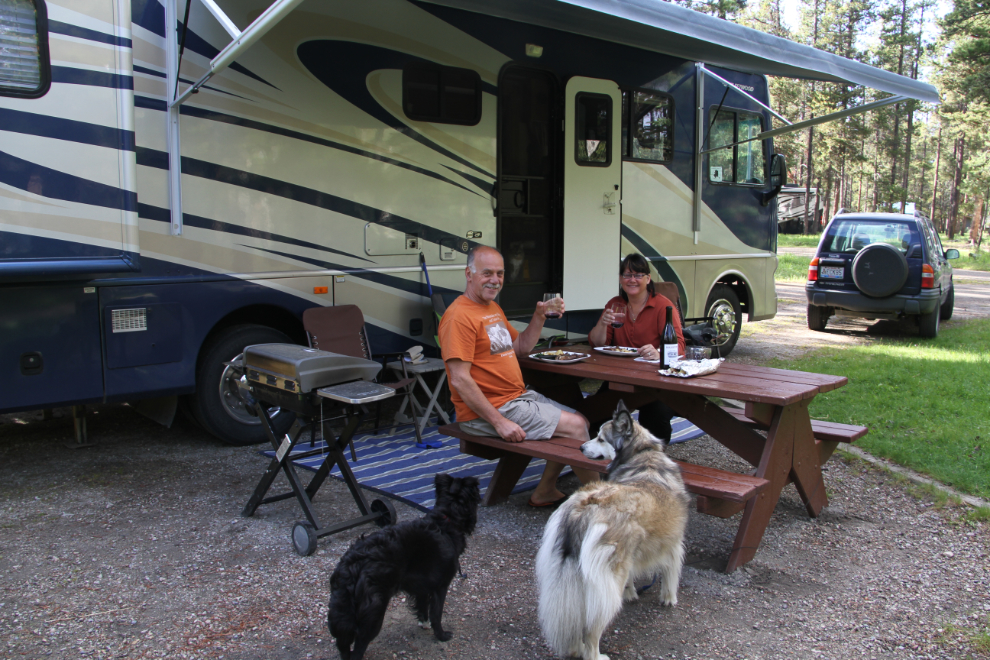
x,y
934,157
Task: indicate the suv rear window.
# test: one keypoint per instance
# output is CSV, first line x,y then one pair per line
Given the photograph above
x,y
853,235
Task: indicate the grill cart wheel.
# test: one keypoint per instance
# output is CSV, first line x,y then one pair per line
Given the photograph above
x,y
304,538
387,511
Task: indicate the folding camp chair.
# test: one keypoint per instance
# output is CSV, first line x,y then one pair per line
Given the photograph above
x,y
340,329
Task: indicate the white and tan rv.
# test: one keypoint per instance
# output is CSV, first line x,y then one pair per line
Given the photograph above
x,y
180,178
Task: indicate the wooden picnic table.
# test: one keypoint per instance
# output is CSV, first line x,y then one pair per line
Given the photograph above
x,y
775,400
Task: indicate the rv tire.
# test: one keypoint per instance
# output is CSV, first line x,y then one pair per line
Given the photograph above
x,y
215,406
726,313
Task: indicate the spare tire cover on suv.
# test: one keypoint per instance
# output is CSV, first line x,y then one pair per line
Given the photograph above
x,y
879,270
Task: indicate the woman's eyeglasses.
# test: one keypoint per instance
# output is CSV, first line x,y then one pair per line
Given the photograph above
x,y
633,276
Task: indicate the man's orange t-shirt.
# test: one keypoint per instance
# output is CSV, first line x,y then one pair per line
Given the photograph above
x,y
479,334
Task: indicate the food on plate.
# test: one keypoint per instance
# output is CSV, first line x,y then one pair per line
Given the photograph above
x,y
557,355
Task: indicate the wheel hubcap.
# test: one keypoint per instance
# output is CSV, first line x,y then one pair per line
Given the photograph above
x,y
724,320
231,381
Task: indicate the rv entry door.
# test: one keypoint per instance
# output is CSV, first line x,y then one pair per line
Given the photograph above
x,y
592,192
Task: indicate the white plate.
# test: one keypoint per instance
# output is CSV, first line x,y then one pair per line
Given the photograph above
x,y
569,359
610,350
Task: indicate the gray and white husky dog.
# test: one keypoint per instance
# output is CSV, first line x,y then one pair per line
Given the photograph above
x,y
608,534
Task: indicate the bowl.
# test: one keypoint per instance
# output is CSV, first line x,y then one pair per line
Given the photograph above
x,y
697,353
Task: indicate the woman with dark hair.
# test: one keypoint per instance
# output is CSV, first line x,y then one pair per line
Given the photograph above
x,y
642,328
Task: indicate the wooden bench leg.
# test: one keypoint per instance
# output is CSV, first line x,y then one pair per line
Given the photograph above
x,y
806,467
775,467
507,473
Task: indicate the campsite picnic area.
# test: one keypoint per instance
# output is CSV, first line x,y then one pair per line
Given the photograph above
x,y
136,548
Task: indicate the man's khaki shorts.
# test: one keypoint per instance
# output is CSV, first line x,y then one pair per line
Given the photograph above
x,y
537,415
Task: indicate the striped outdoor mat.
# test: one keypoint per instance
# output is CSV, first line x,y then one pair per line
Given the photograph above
x,y
392,465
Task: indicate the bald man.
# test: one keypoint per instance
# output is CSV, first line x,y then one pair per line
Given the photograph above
x,y
480,351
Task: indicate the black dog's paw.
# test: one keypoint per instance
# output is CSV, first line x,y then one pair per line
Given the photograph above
x,y
444,636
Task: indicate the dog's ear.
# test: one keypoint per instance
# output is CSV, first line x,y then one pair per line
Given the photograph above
x,y
442,482
622,424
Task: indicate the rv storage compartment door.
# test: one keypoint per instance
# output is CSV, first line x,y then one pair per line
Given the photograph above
x,y
592,192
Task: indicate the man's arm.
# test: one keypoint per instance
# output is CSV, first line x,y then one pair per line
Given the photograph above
x,y
527,339
471,394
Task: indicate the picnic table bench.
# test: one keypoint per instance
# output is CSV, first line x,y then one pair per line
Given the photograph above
x,y
718,491
828,435
791,448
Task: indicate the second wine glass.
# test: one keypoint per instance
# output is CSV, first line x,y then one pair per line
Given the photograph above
x,y
618,314
553,304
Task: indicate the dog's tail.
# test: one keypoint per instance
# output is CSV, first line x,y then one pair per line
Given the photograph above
x,y
579,593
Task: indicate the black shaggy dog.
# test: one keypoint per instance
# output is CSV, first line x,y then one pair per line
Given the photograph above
x,y
419,557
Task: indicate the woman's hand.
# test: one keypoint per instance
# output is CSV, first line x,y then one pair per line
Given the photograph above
x,y
648,352
606,318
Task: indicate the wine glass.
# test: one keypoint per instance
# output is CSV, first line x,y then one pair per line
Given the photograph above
x,y
618,314
553,305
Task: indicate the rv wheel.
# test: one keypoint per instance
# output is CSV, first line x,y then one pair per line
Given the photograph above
x,y
216,404
724,308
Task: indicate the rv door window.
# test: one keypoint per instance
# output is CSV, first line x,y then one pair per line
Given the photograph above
x,y
743,163
651,116
752,167
24,67
441,94
721,162
593,125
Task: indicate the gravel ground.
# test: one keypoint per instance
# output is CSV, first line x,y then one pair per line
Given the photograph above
x,y
136,548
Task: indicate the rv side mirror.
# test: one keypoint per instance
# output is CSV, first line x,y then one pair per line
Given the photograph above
x,y
778,177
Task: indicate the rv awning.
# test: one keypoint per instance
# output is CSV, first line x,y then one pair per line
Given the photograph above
x,y
665,27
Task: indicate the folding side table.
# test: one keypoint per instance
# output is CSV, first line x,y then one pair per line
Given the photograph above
x,y
418,415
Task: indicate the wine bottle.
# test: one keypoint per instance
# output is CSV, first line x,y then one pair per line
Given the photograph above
x,y
669,351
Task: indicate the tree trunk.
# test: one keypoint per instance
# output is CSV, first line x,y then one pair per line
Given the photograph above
x,y
910,120
907,156
977,227
811,137
807,185
876,172
828,193
959,152
938,158
924,166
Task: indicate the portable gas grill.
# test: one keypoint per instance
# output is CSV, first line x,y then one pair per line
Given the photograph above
x,y
315,385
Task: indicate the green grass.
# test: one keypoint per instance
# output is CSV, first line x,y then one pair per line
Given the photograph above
x,y
979,514
923,401
798,240
971,260
791,268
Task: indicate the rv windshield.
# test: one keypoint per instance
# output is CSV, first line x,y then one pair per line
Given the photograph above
x,y
853,235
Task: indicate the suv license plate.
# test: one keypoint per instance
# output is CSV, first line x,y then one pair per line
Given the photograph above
x,y
831,272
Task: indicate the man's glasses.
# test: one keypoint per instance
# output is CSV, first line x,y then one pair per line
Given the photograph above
x,y
633,276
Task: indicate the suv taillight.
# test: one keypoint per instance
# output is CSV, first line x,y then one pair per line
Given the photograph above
x,y
927,277
813,270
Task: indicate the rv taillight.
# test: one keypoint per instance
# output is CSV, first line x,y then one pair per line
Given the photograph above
x,y
927,277
813,270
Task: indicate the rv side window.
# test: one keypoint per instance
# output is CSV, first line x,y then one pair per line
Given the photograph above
x,y
593,123
441,94
24,67
751,166
651,118
743,163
